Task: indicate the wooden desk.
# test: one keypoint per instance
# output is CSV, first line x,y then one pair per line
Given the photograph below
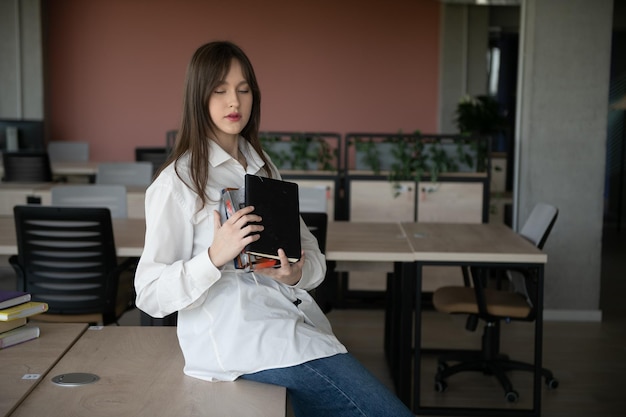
x,y
482,245
367,242
12,194
140,370
24,366
129,236
135,198
86,168
411,246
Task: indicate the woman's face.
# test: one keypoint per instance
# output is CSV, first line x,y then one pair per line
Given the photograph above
x,y
230,104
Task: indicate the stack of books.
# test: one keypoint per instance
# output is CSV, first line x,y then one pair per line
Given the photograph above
x,y
15,308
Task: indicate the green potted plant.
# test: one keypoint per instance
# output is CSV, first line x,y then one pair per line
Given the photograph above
x,y
299,152
481,116
409,157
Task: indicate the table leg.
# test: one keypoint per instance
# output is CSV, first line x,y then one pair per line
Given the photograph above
x,y
538,342
410,280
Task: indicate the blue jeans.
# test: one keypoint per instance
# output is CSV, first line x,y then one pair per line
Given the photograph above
x,y
336,386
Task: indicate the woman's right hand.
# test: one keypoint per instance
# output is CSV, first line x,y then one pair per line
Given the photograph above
x,y
230,238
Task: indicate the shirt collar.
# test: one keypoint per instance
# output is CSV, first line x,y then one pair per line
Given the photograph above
x,y
218,156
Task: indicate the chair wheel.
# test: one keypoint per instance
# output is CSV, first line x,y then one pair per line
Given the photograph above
x,y
552,383
441,386
511,396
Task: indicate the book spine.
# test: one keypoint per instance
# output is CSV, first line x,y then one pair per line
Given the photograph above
x,y
13,300
19,335
230,207
30,309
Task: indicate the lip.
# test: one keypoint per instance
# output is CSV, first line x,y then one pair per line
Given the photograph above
x,y
234,117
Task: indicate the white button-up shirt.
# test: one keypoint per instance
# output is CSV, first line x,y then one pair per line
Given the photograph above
x,y
229,323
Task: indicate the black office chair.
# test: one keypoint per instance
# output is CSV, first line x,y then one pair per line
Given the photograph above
x,y
318,225
156,155
67,258
26,166
492,305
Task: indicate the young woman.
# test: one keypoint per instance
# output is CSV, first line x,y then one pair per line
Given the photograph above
x,y
234,324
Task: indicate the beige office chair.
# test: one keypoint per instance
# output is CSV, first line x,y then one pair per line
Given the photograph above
x,y
492,305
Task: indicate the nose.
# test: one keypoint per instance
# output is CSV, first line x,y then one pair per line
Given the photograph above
x,y
233,100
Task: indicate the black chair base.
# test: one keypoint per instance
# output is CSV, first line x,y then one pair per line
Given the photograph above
x,y
496,367
489,361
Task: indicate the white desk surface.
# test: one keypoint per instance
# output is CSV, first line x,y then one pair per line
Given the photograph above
x,y
34,357
141,374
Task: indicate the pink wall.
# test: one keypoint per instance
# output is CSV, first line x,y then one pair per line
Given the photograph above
x,y
115,68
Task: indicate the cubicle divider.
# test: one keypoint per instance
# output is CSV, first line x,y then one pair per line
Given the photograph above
x,y
387,176
335,168
313,161
398,177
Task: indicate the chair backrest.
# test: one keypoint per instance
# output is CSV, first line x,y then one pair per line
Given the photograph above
x,y
111,196
318,226
539,224
156,156
67,151
124,173
67,258
536,229
26,167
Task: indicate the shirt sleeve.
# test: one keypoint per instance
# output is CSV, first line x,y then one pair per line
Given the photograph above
x,y
170,276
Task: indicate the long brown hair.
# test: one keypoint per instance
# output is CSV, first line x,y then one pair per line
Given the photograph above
x,y
208,68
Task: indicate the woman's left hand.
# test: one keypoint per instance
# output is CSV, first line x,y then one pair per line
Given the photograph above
x,y
288,273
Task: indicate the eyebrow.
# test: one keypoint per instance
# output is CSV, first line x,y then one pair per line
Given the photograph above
x,y
223,82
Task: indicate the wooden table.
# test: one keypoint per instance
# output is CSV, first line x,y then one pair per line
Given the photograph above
x,y
481,245
24,366
80,168
61,168
129,236
141,374
12,194
367,242
410,246
370,244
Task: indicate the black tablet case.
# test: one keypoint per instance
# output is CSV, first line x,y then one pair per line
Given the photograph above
x,y
278,205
